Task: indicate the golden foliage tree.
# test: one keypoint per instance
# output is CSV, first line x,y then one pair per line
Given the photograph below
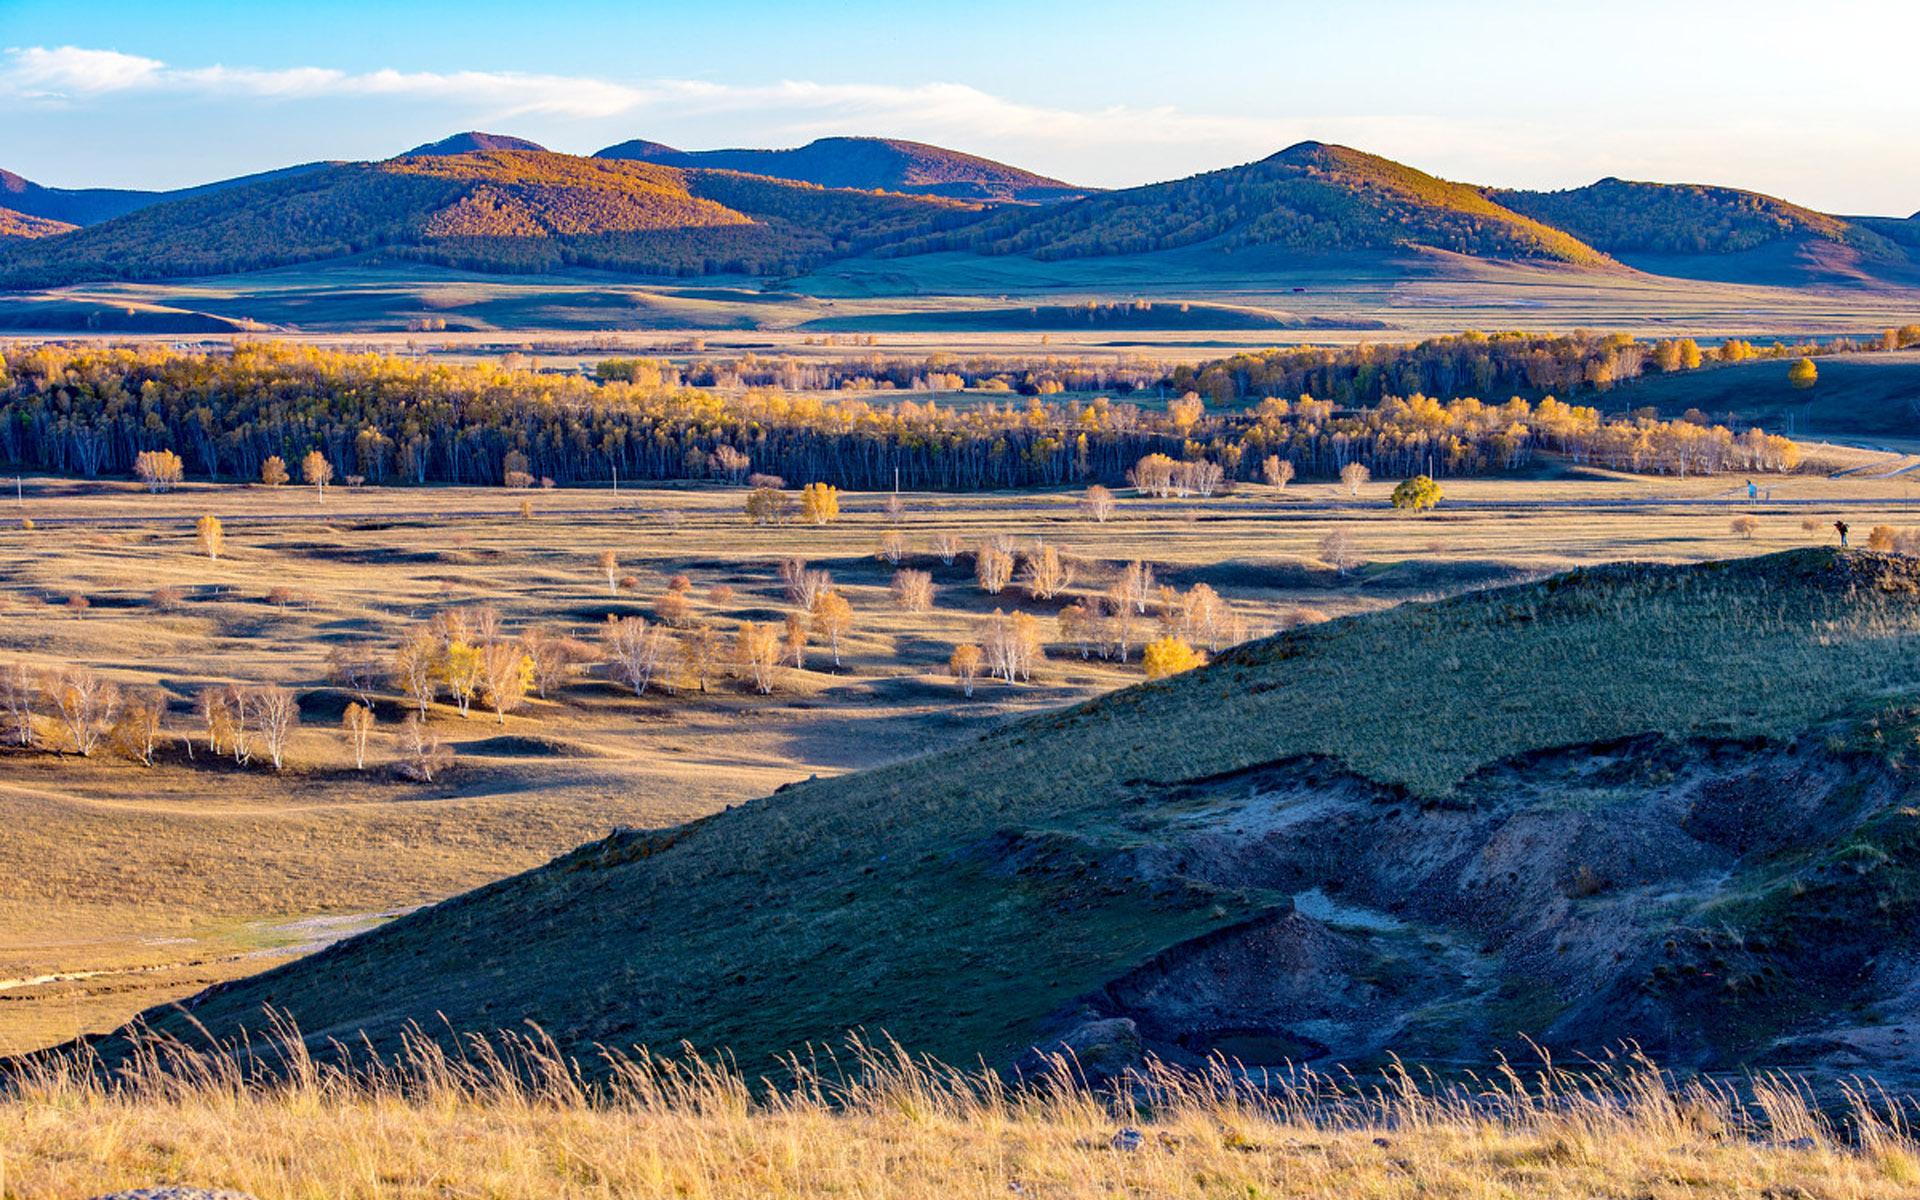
x,y
1416,495
213,537
160,470
273,471
964,664
832,619
756,651
506,676
1046,573
992,568
912,591
1170,655
317,471
820,503
636,651
1097,504
358,722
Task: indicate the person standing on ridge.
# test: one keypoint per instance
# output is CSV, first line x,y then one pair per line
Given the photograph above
x,y
1841,526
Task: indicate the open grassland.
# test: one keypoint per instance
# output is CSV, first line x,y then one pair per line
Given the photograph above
x,y
123,885
516,1123
964,303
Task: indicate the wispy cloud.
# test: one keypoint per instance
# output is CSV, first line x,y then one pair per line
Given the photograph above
x,y
73,74
70,74
1111,145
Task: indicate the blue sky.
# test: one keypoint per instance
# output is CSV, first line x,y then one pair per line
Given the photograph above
x,y
1813,103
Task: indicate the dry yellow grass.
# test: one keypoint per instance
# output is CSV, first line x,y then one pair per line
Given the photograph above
x,y
123,886
510,1120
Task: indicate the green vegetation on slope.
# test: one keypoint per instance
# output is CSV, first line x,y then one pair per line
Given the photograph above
x,y
886,899
1622,217
1309,198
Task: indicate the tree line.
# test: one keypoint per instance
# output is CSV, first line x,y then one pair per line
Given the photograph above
x,y
368,418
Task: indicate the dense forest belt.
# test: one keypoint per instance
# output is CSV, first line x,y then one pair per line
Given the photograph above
x,y
93,411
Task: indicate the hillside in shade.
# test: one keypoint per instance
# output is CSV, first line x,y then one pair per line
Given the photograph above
x,y
1716,232
1584,810
872,164
90,206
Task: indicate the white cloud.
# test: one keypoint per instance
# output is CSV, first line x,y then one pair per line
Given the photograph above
x,y
39,72
1841,162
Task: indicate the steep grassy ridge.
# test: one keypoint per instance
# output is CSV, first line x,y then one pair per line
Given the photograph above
x,y
975,900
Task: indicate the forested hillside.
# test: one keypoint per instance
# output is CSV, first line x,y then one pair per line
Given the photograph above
x,y
1623,217
496,210
92,410
1309,198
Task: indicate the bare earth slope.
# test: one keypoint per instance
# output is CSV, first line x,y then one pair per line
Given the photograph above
x,y
1649,802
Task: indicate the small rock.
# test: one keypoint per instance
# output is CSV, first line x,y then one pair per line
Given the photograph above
x,y
1383,1143
1127,1139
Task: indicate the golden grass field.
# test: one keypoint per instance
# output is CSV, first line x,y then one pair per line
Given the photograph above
x,y
123,886
511,1121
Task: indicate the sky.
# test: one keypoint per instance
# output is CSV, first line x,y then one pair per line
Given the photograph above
x,y
1818,104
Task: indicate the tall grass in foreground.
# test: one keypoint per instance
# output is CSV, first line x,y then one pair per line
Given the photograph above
x,y
510,1117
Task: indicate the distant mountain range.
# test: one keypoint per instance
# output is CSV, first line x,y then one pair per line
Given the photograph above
x,y
882,164
497,203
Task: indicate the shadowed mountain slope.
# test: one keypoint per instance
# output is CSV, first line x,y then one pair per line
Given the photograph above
x,y
884,164
90,206
1666,803
1721,233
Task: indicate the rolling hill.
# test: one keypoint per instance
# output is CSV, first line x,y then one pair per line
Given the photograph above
x,y
1309,199
1660,803
869,164
1719,233
519,211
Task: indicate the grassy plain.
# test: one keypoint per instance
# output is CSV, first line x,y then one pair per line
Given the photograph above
x,y
124,885
943,301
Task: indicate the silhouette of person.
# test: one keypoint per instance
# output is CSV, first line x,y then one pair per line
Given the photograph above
x,y
1842,527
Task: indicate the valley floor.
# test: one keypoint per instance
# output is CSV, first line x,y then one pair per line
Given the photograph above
x,y
124,886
